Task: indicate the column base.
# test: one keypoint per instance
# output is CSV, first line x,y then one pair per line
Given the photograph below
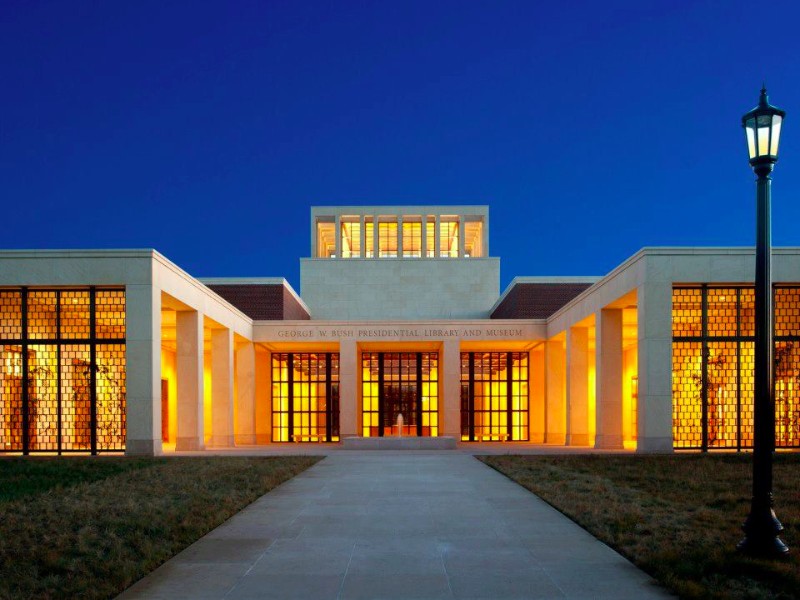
x,y
188,444
221,441
263,438
537,438
555,438
143,448
654,445
577,439
608,442
245,439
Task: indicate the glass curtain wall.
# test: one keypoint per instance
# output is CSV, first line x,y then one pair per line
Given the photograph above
x,y
62,370
713,361
494,396
305,397
400,383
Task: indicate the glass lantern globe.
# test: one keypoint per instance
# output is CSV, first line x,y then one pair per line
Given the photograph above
x,y
763,128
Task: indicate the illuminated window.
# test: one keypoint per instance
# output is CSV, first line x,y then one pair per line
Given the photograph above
x,y
326,238
369,238
448,237
473,239
387,237
305,397
69,348
494,396
400,383
351,238
412,237
713,362
430,237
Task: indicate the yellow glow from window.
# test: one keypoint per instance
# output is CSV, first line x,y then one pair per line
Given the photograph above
x,y
326,239
473,239
448,237
387,237
351,239
412,237
430,237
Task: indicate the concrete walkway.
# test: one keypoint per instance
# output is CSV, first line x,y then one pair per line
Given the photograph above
x,y
398,525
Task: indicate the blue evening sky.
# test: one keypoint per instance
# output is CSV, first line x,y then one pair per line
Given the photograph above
x,y
207,130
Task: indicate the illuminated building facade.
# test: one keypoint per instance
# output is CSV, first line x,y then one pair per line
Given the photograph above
x,y
400,314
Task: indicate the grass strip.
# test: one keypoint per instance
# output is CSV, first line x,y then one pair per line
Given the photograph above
x,y
678,517
94,539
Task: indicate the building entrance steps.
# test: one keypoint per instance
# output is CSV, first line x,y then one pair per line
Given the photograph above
x,y
442,442
398,525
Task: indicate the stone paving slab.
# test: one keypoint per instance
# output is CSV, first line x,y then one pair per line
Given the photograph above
x,y
398,525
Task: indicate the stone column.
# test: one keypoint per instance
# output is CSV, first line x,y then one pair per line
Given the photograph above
x,y
222,387
437,236
609,378
337,236
349,410
555,380
189,375
245,431
537,399
450,369
143,370
399,236
462,229
654,302
424,237
375,237
263,382
362,237
577,386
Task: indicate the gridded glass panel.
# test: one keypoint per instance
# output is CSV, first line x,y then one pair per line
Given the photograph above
x,y
687,311
74,309
326,239
305,400
747,312
43,411
59,395
10,398
787,311
721,394
370,394
110,314
787,394
400,383
42,315
722,312
746,393
111,397
687,378
76,398
10,315
498,407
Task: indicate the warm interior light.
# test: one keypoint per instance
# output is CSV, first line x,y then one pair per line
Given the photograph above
x,y
776,134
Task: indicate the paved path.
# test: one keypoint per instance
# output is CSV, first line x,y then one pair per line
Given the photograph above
x,y
398,525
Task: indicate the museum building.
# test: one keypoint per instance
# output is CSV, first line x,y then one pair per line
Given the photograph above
x,y
399,313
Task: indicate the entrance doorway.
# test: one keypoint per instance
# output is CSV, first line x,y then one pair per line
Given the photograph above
x,y
400,383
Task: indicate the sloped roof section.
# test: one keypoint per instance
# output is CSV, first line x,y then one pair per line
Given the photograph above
x,y
535,298
261,299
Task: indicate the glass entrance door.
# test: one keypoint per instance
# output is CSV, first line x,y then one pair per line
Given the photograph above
x,y
400,383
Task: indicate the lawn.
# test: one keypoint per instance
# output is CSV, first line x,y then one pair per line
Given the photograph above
x,y
677,517
90,527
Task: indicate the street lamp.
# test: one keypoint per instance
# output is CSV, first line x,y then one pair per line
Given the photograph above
x,y
763,128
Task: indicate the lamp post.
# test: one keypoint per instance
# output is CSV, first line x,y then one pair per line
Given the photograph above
x,y
763,128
